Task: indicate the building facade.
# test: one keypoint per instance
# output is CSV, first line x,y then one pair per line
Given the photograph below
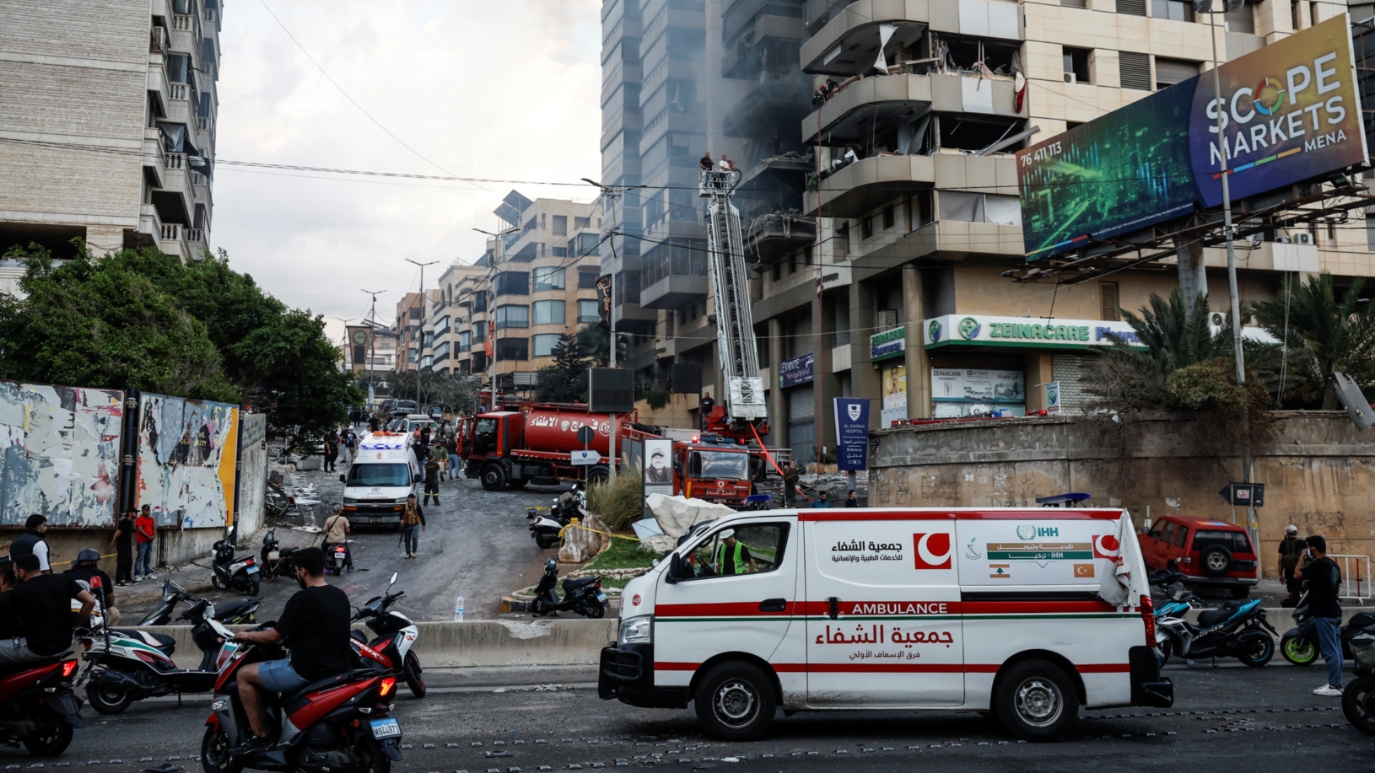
x,y
107,124
880,258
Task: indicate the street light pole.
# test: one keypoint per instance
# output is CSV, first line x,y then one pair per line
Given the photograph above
x,y
372,336
492,310
423,314
1239,356
611,193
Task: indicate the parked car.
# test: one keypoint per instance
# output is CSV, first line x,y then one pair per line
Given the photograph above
x,y
410,423
1210,554
398,408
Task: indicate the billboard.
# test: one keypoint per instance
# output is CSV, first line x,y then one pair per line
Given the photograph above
x,y
60,454
186,458
1290,113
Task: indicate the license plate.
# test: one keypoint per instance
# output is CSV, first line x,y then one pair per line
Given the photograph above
x,y
252,570
374,520
601,597
385,728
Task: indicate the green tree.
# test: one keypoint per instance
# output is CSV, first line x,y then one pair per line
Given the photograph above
x,y
1175,337
143,319
1322,331
595,343
566,380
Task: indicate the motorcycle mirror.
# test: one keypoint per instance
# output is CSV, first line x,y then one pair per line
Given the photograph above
x,y
220,629
393,580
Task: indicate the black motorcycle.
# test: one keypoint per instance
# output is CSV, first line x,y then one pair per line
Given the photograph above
x,y
583,596
233,613
546,529
1358,698
275,560
1237,629
239,574
1300,643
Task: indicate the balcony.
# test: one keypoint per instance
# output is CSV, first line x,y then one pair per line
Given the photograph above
x,y
850,116
153,170
172,240
848,44
158,90
175,200
149,225
674,275
870,183
200,188
778,234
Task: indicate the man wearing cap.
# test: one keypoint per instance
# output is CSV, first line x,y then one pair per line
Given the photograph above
x,y
1290,549
658,468
732,557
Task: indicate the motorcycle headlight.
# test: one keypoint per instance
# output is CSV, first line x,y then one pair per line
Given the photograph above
x,y
637,630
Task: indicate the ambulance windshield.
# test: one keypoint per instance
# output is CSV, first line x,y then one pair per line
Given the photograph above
x,y
379,475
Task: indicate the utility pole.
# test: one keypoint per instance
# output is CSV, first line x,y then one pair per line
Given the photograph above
x,y
424,309
1239,355
372,335
612,193
492,309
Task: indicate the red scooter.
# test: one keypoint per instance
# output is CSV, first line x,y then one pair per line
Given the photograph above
x,y
37,706
340,723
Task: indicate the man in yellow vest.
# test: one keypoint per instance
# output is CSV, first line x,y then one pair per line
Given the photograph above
x,y
732,557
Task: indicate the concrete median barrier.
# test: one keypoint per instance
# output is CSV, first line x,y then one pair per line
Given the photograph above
x,y
475,644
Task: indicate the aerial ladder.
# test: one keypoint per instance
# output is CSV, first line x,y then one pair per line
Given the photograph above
x,y
745,414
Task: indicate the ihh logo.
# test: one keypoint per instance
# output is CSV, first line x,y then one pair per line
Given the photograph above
x,y
1047,532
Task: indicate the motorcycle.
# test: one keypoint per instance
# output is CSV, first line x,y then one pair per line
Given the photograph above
x,y
583,596
342,723
239,574
233,613
1300,643
1237,629
37,706
546,529
396,634
124,666
276,562
1358,698
337,558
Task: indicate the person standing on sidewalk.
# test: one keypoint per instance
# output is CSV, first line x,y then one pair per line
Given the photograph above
x,y
123,543
451,446
31,543
790,478
331,449
1324,581
145,528
412,523
431,479
1291,547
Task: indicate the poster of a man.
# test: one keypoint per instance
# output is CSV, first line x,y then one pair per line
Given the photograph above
x,y
658,471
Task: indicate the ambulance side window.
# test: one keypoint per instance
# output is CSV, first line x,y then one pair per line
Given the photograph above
x,y
754,548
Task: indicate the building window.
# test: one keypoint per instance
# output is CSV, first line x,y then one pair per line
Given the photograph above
x,y
889,216
549,278
465,341
513,349
842,246
1074,3
587,280
513,316
1243,19
588,311
1174,10
480,333
480,302
513,283
778,269
548,312
1107,294
1168,72
1132,7
866,228
560,225
580,223
1135,70
1076,62
544,344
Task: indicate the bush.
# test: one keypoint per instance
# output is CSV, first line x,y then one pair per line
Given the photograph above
x,y
657,398
620,503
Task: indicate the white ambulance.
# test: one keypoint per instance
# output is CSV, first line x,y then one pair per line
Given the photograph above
x,y
382,476
1023,615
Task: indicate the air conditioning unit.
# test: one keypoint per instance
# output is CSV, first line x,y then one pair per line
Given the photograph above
x,y
1217,319
1303,237
1071,78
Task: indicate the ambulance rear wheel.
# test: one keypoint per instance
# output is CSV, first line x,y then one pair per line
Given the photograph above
x,y
493,477
735,702
1035,700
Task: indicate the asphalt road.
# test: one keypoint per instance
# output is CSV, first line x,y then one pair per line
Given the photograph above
x,y
475,543
1224,719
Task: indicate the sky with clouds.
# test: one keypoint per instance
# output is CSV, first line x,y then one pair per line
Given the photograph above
x,y
507,90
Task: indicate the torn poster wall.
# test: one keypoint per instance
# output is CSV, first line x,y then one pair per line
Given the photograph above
x,y
61,453
187,450
252,472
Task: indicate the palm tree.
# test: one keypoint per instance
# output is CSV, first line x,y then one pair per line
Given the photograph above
x,y
1175,336
1321,334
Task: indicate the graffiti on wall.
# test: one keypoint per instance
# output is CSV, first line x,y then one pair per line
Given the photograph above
x,y
187,450
61,453
252,472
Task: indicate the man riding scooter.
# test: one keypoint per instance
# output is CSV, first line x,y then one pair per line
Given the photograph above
x,y
314,624
337,530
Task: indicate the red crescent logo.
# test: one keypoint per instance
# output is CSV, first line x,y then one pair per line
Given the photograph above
x,y
933,551
1106,546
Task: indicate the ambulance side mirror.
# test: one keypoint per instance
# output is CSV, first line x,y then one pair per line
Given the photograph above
x,y
675,569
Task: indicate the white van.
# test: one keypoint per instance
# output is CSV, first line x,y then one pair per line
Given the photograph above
x,y
1026,615
381,477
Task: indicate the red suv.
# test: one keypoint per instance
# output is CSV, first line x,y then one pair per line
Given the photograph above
x,y
1213,554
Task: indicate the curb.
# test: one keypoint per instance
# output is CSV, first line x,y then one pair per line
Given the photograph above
x,y
518,603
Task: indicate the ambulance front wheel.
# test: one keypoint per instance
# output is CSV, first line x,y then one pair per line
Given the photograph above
x,y
735,702
1035,700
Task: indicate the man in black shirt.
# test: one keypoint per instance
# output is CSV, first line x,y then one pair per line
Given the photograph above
x,y
314,624
1324,580
86,570
42,603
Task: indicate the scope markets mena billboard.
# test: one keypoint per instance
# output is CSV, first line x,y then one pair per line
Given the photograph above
x,y
1290,113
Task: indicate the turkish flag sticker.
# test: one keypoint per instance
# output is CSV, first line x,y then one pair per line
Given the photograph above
x,y
933,551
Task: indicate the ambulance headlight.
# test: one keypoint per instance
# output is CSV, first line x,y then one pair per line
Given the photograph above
x,y
637,630
350,501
